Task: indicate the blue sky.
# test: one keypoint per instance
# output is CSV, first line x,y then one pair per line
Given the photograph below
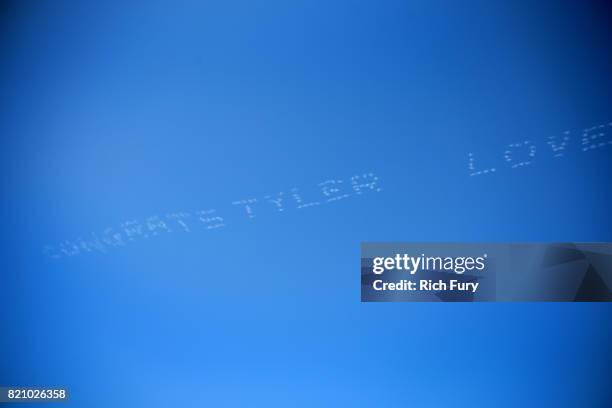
x,y
119,111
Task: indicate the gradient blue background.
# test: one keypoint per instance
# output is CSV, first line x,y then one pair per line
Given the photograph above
x,y
119,110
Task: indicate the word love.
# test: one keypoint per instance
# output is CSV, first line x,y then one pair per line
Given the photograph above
x,y
523,153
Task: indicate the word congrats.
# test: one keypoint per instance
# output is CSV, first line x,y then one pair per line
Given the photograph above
x,y
183,221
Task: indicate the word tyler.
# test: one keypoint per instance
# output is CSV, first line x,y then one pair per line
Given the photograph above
x,y
329,191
